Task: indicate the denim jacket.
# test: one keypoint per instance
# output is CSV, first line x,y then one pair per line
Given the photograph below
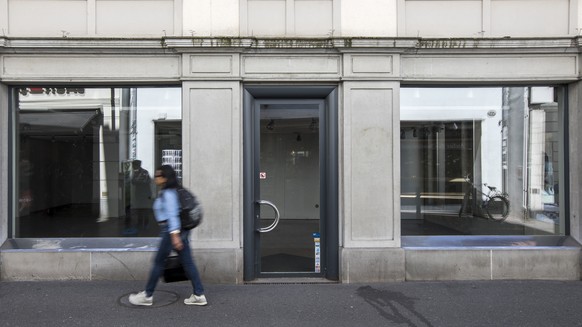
x,y
167,208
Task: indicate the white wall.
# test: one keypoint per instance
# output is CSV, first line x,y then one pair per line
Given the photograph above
x,y
211,17
368,18
454,104
291,18
487,18
154,104
70,18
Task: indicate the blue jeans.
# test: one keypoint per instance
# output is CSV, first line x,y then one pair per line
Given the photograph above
x,y
185,255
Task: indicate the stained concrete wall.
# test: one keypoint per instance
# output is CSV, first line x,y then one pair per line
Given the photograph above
x,y
212,139
215,266
575,162
4,157
371,182
493,263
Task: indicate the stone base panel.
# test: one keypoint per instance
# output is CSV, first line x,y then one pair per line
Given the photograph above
x,y
222,266
363,265
493,264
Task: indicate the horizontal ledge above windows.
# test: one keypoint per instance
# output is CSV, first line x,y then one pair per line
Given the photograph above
x,y
339,44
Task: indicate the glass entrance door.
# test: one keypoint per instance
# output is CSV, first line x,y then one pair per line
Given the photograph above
x,y
288,170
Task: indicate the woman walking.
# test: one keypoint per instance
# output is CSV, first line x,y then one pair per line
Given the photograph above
x,y
166,211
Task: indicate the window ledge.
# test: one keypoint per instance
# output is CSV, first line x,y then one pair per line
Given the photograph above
x,y
80,244
489,242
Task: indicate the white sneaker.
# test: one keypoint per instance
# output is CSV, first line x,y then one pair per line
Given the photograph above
x,y
141,299
196,300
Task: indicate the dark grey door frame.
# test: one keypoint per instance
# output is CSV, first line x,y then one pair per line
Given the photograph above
x,y
329,176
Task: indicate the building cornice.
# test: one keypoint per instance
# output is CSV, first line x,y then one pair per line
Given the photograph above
x,y
496,43
242,44
80,43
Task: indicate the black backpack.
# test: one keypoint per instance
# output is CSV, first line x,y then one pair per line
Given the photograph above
x,y
190,209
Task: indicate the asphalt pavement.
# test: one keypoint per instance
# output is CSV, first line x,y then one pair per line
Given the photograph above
x,y
455,303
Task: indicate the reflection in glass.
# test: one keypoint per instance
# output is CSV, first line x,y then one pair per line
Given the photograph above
x,y
481,161
289,164
86,157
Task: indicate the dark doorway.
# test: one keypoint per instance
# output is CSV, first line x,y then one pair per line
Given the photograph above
x,y
290,183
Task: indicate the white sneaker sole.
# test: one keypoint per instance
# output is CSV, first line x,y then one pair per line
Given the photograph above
x,y
139,303
195,303
144,304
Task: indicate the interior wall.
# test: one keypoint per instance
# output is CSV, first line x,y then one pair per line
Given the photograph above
x,y
290,158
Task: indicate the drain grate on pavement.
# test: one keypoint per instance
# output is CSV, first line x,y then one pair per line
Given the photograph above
x,y
161,299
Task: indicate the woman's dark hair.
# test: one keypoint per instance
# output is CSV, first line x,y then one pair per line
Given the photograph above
x,y
170,175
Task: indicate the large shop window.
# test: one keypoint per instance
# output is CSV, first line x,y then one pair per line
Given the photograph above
x,y
482,161
85,159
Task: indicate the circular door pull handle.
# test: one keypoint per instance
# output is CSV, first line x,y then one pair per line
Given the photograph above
x,y
277,216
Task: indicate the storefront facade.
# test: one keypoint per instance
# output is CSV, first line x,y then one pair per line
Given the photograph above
x,y
363,155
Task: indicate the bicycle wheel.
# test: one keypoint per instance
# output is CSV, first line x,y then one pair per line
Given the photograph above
x,y
497,208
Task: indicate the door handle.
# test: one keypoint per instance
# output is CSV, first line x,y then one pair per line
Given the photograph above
x,y
275,223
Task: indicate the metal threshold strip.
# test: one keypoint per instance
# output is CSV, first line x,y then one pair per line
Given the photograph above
x,y
290,280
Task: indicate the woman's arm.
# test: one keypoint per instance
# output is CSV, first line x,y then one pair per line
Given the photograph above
x,y
173,211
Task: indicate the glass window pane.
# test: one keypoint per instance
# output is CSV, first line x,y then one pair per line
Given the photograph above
x,y
481,161
86,158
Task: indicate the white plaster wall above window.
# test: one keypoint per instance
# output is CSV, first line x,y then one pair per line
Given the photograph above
x,y
211,18
536,18
288,18
450,18
119,17
266,18
487,18
313,18
74,18
47,17
368,18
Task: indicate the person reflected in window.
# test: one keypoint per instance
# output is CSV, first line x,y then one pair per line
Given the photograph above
x,y
166,212
140,199
548,175
25,198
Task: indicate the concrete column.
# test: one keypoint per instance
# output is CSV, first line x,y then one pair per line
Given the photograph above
x,y
575,143
4,157
212,144
371,178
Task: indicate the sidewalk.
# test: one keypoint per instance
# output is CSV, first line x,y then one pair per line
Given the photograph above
x,y
465,303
